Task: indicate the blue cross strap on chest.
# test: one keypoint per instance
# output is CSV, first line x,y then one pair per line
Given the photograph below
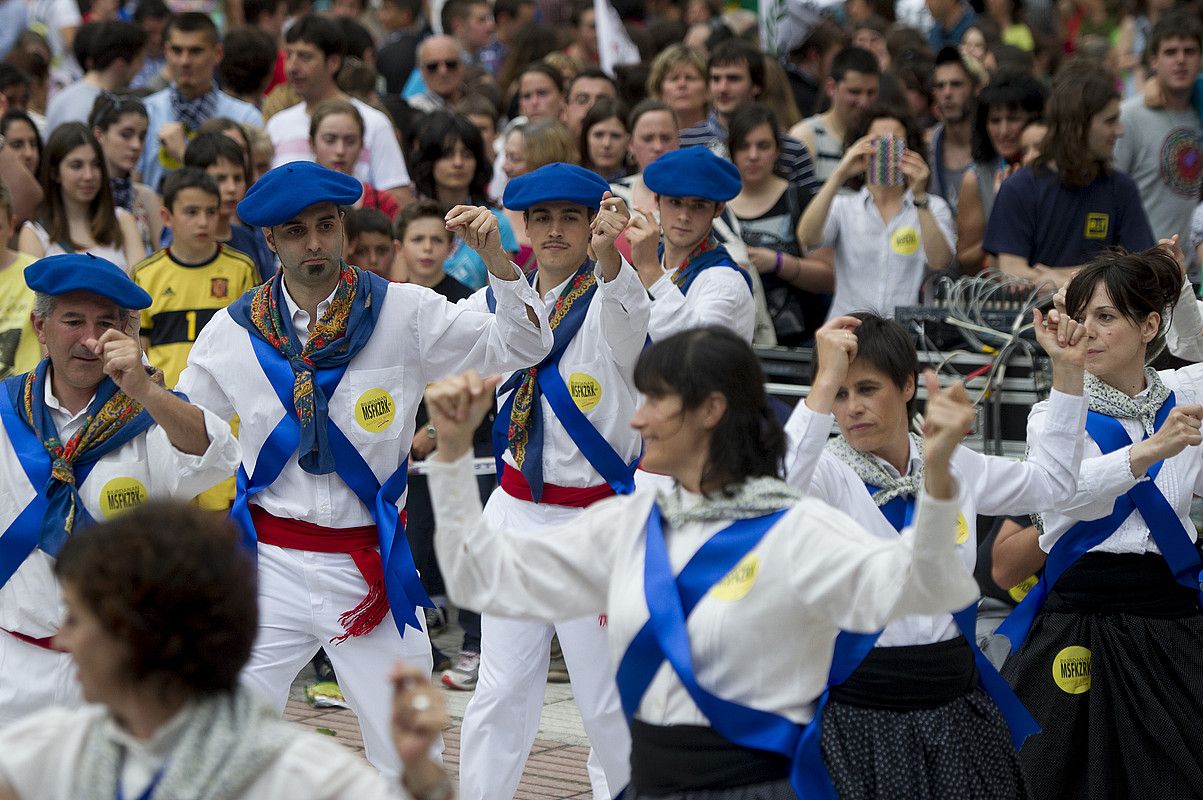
x,y
600,454
716,256
401,581
1144,498
665,637
24,533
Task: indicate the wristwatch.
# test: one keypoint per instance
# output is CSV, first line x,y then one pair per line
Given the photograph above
x,y
920,203
432,432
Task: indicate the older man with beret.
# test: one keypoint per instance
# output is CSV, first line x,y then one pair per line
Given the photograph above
x,y
325,365
563,442
84,436
692,278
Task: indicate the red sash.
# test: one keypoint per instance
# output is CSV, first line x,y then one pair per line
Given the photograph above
x,y
514,484
360,543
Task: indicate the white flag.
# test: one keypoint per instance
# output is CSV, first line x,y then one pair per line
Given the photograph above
x,y
614,47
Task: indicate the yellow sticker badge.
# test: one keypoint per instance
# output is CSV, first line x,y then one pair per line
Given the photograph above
x,y
962,529
739,581
1021,589
585,389
374,410
1096,226
905,241
1071,670
121,494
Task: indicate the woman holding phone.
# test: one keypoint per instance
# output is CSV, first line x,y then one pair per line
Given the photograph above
x,y
890,233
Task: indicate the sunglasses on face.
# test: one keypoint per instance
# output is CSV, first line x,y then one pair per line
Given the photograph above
x,y
449,64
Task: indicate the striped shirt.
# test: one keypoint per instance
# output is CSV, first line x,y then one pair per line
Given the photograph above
x,y
794,164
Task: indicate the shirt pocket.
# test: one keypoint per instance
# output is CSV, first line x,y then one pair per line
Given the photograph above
x,y
594,388
116,486
372,405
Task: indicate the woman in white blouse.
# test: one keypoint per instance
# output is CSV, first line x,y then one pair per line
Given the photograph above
x,y
1106,647
729,563
923,714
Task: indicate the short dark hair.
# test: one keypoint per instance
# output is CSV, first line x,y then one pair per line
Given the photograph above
x,y
11,75
151,9
510,8
116,40
248,61
414,7
252,10
825,36
748,441
419,209
1174,24
173,585
359,221
187,177
457,9
594,73
206,149
193,22
81,45
109,108
853,59
357,39
1007,90
738,51
746,119
1138,284
434,138
887,347
321,32
951,55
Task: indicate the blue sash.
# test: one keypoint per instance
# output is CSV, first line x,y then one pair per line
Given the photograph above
x,y
600,454
22,536
664,636
716,256
401,581
1144,498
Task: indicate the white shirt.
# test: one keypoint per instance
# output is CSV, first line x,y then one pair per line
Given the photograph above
x,y
148,466
419,338
815,572
717,296
380,164
598,367
1103,478
991,485
40,755
878,264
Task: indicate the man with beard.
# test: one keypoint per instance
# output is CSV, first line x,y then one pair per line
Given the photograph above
x,y
948,145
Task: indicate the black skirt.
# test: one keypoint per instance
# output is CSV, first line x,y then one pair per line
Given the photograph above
x,y
910,723
1112,669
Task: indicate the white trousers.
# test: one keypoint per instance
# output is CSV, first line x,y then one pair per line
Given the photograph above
x,y
301,596
33,678
502,718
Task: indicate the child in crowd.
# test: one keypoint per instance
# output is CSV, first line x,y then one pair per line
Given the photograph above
x,y
203,274
425,246
189,281
370,243
224,161
19,349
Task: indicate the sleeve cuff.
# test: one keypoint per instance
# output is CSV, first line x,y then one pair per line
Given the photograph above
x,y
803,420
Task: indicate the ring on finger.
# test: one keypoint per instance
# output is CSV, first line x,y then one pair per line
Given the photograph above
x,y
420,703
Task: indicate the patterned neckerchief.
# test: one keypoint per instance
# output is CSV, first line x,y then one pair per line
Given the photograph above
x,y
681,273
754,497
1106,399
524,395
267,313
108,425
871,471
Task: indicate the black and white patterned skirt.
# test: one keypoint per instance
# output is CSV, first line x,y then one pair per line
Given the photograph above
x,y
1112,669
911,723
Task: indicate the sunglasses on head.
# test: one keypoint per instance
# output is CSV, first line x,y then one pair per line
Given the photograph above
x,y
449,64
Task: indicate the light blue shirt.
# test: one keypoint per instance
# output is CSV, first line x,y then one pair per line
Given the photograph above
x,y
467,267
158,112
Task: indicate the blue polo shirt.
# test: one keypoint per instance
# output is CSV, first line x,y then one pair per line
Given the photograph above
x,y
1039,218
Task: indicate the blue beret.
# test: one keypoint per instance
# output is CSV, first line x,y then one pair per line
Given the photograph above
x,y
555,183
290,188
693,172
84,272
